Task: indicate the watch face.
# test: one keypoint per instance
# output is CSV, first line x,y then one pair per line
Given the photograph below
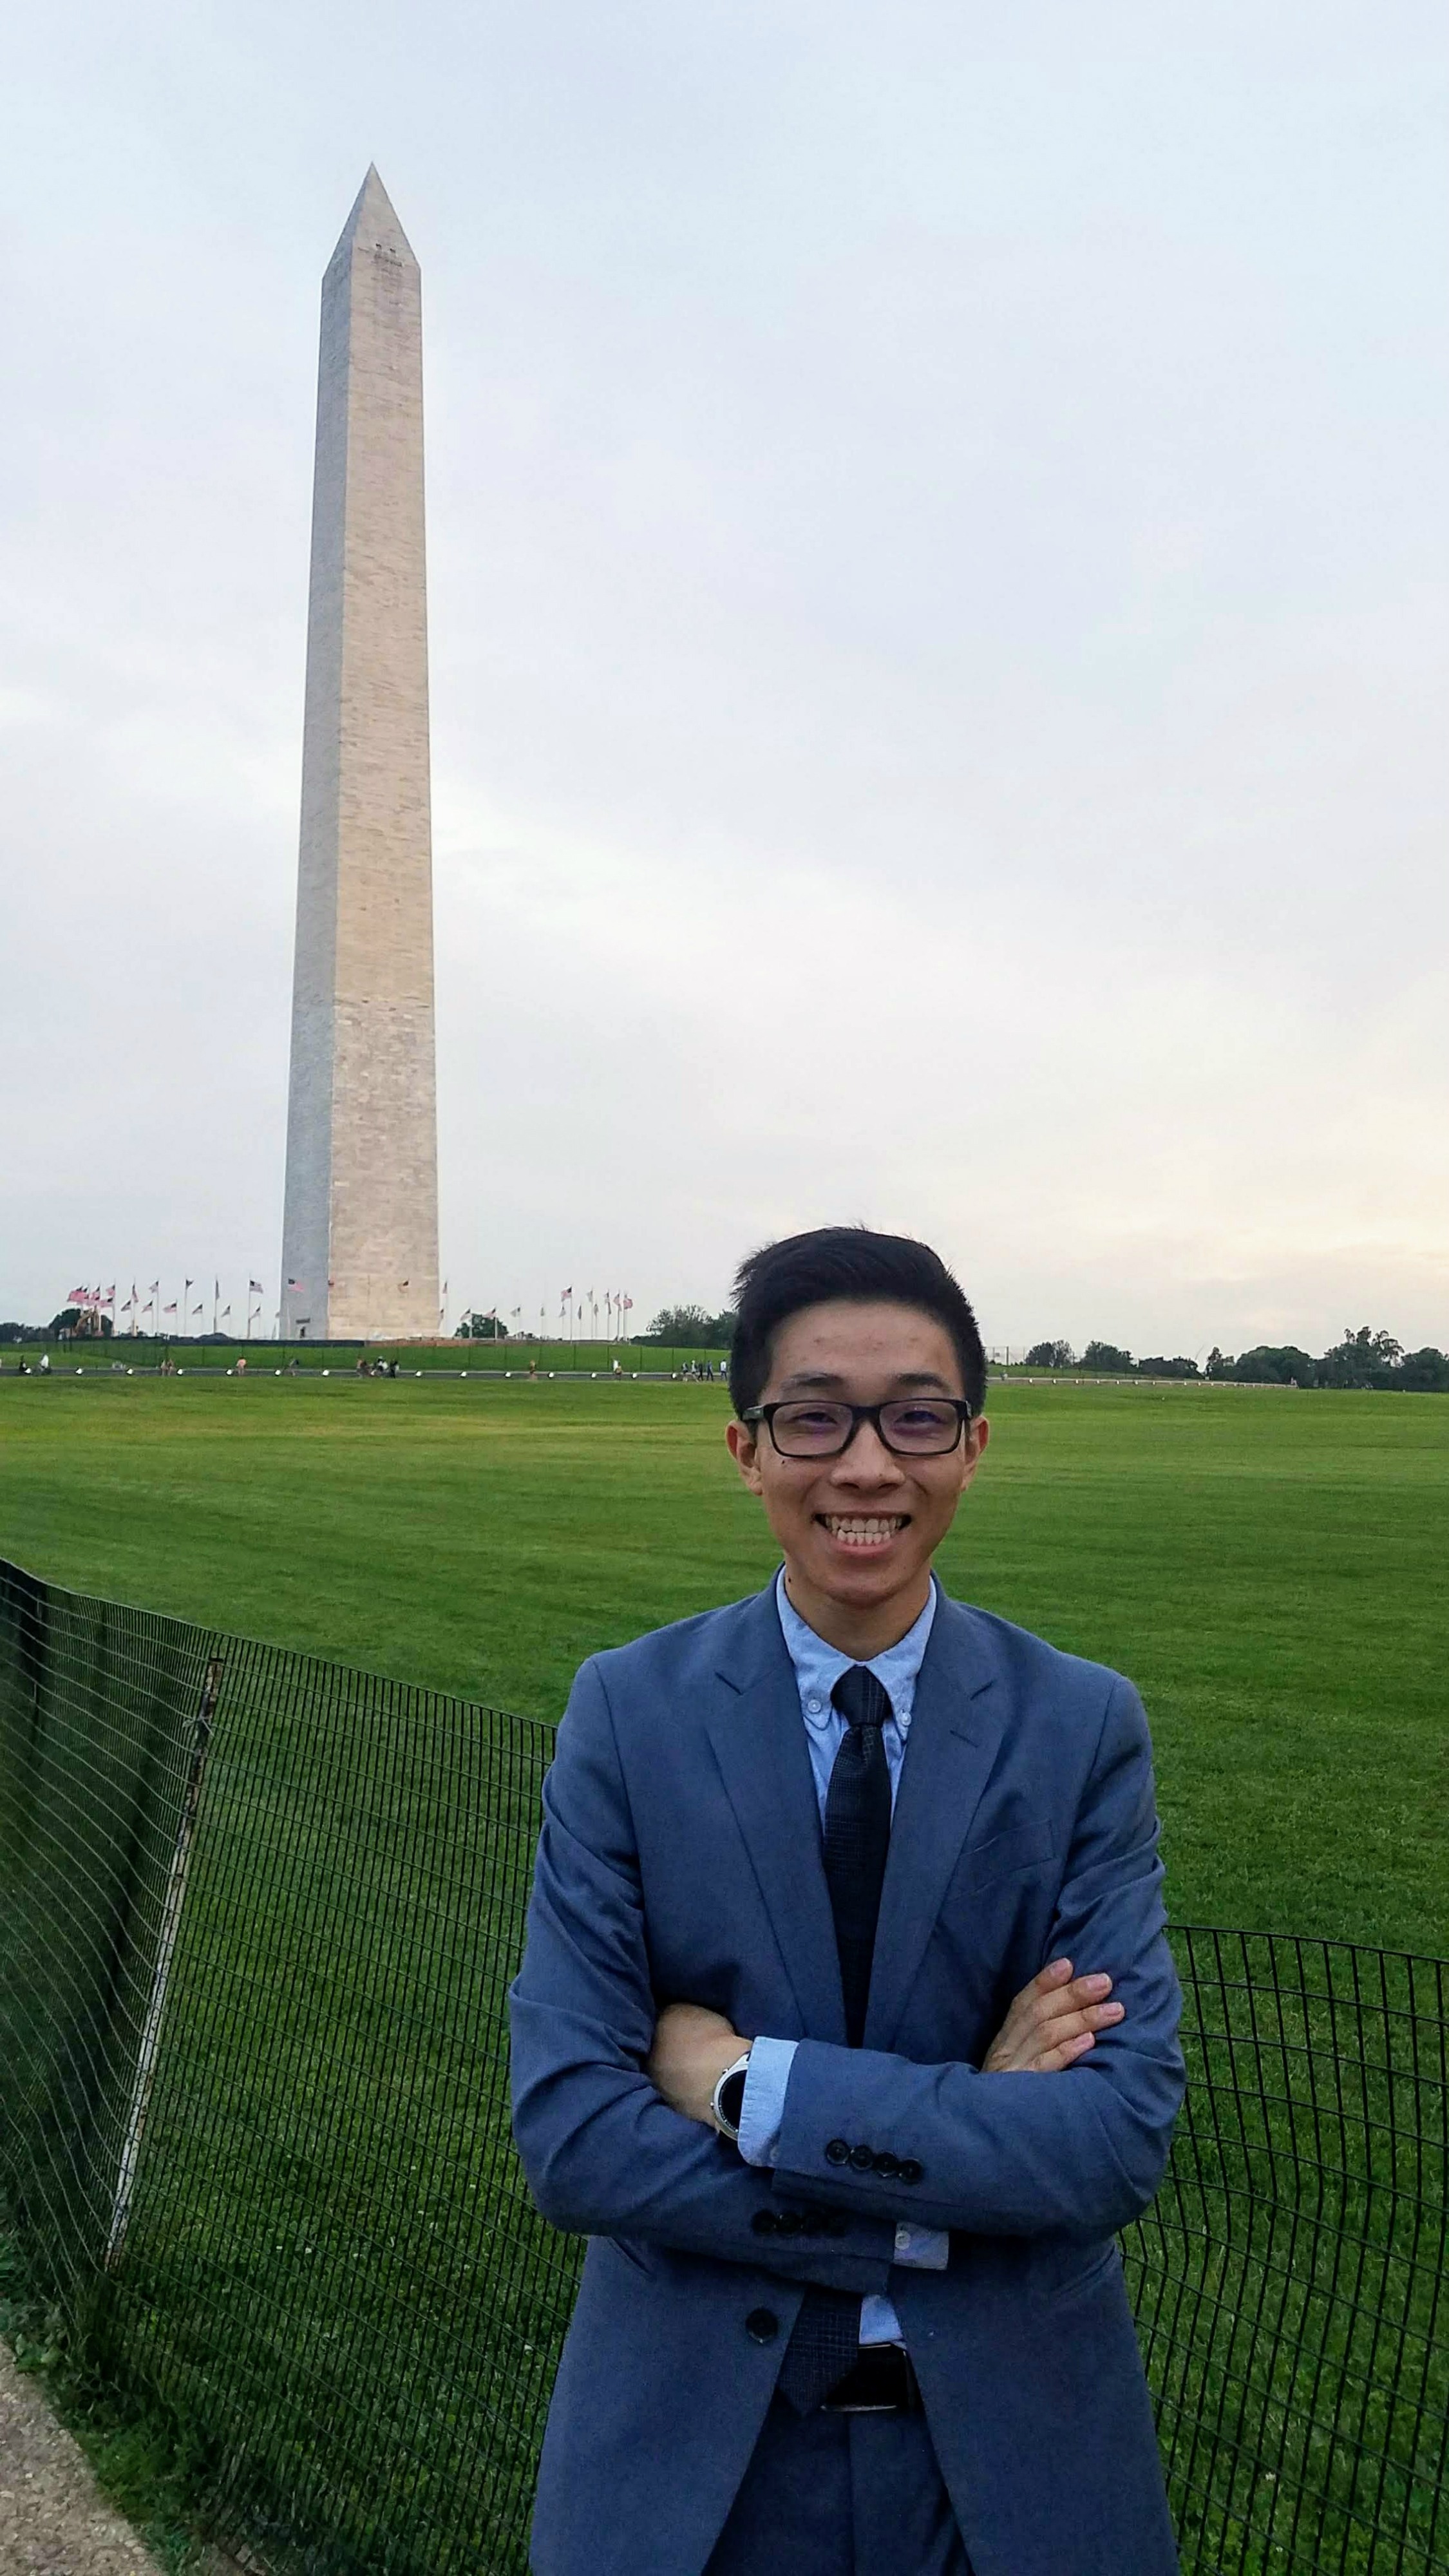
x,y
731,2097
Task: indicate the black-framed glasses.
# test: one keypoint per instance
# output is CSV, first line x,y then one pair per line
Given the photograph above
x,y
910,1426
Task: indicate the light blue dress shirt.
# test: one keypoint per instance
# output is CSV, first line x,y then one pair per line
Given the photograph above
x,y
818,1668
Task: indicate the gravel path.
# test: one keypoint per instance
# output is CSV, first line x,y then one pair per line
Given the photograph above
x,y
54,2520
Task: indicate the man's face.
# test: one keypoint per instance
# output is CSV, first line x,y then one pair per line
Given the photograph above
x,y
859,1530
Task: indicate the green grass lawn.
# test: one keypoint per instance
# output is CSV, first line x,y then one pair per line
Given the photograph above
x,y
333,2280
1269,1567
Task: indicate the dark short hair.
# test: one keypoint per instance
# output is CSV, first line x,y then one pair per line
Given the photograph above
x,y
848,1261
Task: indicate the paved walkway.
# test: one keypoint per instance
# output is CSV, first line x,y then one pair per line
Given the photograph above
x,y
54,2521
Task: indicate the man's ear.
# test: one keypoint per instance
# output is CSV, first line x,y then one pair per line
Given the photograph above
x,y
972,1447
744,1448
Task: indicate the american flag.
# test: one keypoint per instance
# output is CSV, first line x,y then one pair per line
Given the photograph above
x,y
171,1309
255,1288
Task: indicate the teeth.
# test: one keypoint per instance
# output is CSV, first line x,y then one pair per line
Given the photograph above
x,y
865,1532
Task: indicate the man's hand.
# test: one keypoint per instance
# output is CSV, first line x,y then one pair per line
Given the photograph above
x,y
692,2048
1051,2023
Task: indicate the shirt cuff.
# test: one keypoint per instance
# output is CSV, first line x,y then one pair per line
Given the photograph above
x,y
762,2111
922,2249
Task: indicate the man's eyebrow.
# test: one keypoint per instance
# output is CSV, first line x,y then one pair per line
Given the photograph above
x,y
803,1378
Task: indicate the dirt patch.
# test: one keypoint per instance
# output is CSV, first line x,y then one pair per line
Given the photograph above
x,y
54,2521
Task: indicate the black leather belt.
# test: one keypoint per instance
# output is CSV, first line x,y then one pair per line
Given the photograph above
x,y
881,2382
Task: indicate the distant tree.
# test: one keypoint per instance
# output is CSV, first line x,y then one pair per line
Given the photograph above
x,y
1105,1355
479,1327
1361,1359
689,1328
82,1321
1423,1372
15,1332
1275,1365
1167,1368
1219,1363
1051,1355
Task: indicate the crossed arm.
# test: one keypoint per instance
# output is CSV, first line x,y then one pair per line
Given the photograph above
x,y
611,2105
1050,2025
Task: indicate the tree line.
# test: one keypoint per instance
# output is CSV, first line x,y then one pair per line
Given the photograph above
x,y
1361,1359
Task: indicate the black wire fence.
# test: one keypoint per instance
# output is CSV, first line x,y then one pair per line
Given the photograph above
x,y
257,1919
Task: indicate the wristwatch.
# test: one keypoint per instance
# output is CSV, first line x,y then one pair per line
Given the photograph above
x,y
728,2099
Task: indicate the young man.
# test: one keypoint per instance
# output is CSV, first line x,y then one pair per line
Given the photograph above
x,y
847,2026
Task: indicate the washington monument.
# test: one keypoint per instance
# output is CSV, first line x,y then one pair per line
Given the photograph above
x,y
360,1228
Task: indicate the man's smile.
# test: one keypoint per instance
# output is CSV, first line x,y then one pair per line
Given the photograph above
x,y
863,1529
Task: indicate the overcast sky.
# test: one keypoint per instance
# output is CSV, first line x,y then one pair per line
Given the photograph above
x,y
937,544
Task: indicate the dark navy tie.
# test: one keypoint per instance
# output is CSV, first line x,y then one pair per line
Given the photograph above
x,y
857,1835
826,2340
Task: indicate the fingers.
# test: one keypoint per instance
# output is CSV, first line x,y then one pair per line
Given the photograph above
x,y
1054,2021
1053,2060
1056,2018
1080,1994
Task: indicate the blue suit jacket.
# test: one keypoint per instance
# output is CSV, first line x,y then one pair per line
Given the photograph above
x,y
681,1858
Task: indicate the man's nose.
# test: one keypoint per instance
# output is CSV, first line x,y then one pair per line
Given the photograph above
x,y
868,1461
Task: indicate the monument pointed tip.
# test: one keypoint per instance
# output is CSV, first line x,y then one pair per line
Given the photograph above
x,y
373,218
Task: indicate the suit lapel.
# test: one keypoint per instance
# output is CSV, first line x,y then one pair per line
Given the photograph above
x,y
956,1729
758,1738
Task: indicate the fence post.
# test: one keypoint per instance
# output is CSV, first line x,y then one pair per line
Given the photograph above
x,y
175,1898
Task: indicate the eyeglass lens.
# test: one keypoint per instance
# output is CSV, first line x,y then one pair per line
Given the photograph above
x,y
914,1425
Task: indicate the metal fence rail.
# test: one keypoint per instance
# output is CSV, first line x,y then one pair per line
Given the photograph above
x,y
257,1917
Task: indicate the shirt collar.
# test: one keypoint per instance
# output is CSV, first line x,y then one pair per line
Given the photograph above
x,y
818,1666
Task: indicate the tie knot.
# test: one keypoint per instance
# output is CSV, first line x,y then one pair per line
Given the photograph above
x,y
860,1698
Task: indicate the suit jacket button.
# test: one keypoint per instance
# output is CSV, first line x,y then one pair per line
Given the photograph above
x,y
764,2222
908,2170
862,2158
837,2153
886,2165
762,2325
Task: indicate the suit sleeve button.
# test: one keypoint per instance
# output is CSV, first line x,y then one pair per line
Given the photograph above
x,y
862,2158
886,2165
762,2325
837,2153
791,2222
908,2170
764,2222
